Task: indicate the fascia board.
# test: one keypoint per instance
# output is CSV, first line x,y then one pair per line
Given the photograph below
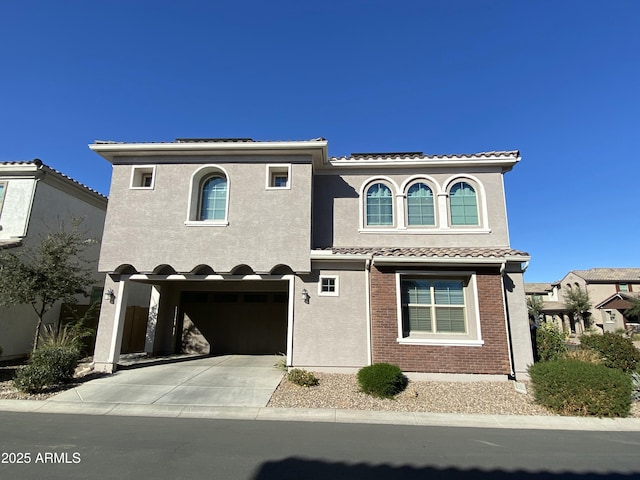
x,y
337,257
505,163
111,150
496,261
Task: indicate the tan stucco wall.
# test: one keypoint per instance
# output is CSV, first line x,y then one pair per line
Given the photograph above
x,y
34,213
146,228
338,210
331,331
521,348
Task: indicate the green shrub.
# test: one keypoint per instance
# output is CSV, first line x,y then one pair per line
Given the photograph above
x,y
571,387
550,342
617,351
302,377
48,366
382,380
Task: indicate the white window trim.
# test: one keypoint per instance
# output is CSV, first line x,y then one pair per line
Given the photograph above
x,y
441,208
481,203
329,294
139,170
3,194
474,340
193,204
275,168
388,182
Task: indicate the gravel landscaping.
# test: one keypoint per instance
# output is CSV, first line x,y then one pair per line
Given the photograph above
x,y
342,391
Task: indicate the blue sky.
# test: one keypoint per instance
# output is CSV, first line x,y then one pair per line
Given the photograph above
x,y
557,80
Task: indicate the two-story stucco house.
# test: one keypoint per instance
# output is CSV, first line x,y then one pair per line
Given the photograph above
x,y
610,292
36,199
261,247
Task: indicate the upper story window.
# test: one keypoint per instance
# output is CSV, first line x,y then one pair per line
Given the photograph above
x,y
379,206
622,287
420,207
213,199
208,197
3,188
278,177
463,204
143,177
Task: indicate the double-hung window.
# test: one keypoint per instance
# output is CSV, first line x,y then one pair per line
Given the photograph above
x,y
433,305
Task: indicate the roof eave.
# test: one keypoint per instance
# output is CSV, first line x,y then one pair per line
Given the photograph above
x,y
109,151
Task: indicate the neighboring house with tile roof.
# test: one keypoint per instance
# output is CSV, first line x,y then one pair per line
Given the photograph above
x,y
610,291
255,247
36,199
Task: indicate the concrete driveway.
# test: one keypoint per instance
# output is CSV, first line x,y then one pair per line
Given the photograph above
x,y
228,380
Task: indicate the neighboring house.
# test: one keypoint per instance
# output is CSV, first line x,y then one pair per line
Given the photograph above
x,y
36,199
256,247
610,291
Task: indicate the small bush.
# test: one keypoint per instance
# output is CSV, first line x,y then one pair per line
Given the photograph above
x,y
571,387
382,380
48,366
302,377
585,355
550,342
617,351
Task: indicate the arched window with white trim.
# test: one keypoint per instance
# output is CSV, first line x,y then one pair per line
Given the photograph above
x,y
379,205
420,205
463,204
213,198
208,197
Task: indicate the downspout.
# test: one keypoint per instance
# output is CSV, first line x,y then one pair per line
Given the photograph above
x,y
367,286
507,322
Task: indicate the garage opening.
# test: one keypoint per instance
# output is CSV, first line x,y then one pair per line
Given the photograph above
x,y
238,318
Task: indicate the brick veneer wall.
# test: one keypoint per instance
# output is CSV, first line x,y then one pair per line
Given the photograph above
x,y
490,358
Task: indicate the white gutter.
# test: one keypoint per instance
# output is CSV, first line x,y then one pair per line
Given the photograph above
x,y
337,257
506,321
110,150
497,261
367,283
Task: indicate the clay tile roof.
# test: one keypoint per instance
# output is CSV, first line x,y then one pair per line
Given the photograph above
x,y
537,287
437,252
421,156
40,164
609,274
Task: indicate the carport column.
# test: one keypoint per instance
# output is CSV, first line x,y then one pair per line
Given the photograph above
x,y
152,321
111,325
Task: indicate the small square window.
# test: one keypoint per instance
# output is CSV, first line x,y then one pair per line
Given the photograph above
x,y
143,177
278,177
623,287
328,286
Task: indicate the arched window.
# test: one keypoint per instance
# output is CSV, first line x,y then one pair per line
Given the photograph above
x,y
463,204
420,205
213,198
379,208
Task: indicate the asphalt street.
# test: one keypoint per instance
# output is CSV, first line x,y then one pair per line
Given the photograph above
x,y
63,446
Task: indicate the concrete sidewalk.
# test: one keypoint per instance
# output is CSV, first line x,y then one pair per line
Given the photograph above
x,y
239,387
329,415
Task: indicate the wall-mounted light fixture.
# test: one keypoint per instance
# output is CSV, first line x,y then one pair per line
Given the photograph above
x,y
109,295
305,295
